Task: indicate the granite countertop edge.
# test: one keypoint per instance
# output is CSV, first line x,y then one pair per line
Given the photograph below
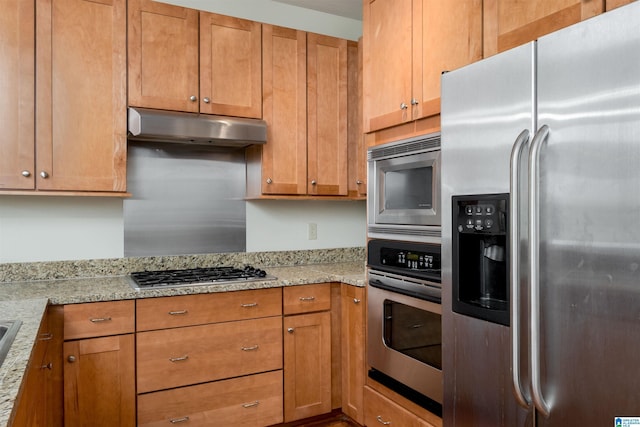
x,y
28,300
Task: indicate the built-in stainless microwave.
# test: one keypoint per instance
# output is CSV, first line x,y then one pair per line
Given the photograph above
x,y
403,191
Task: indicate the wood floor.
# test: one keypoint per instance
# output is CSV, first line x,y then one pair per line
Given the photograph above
x,y
334,420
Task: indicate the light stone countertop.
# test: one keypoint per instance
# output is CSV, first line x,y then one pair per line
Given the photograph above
x,y
27,301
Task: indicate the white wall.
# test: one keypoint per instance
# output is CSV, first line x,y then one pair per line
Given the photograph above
x,y
274,225
48,228
272,12
44,228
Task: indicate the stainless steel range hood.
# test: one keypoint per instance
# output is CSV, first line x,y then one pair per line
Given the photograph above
x,y
170,126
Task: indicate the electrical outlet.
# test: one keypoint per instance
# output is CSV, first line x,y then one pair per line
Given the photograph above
x,y
313,231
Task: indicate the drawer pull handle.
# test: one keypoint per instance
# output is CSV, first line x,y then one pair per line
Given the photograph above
x,y
251,404
46,336
48,366
252,348
307,298
179,420
178,312
179,359
100,319
384,423
252,304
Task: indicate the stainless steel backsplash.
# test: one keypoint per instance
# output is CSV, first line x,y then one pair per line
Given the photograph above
x,y
186,199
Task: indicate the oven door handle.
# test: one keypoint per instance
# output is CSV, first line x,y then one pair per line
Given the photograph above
x,y
519,147
405,286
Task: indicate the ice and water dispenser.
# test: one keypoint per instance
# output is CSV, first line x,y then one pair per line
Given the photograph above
x,y
481,257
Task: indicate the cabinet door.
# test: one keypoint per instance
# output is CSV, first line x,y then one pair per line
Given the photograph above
x,y
163,56
230,66
284,86
510,23
387,33
446,36
17,68
307,365
353,344
326,115
99,382
81,95
357,168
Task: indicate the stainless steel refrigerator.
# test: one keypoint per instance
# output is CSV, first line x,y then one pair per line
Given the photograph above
x,y
541,231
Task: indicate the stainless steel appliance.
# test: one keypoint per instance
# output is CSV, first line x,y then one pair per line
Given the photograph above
x,y
159,279
403,200
404,331
551,129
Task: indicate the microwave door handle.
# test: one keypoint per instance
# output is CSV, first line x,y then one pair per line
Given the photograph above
x,y
534,266
519,147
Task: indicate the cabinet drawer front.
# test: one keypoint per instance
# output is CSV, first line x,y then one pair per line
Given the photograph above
x,y
188,310
254,400
197,354
307,298
379,411
98,319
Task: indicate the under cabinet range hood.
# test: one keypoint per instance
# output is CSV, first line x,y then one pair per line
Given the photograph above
x,y
171,126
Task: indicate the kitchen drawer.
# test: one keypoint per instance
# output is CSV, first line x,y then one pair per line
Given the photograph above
x,y
98,319
307,298
379,411
189,310
196,354
250,401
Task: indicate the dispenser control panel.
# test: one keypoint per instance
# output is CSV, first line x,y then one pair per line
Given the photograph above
x,y
486,214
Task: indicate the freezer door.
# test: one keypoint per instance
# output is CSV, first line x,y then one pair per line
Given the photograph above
x,y
485,106
589,221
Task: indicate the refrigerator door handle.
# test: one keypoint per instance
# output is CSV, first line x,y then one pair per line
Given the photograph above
x,y
534,266
519,146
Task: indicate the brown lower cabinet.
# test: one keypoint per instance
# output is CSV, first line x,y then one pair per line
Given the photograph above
x,y
379,410
40,402
99,370
249,401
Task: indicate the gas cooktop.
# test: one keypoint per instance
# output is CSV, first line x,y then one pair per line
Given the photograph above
x,y
196,276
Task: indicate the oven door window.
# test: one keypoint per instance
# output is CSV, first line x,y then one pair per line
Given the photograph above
x,y
413,332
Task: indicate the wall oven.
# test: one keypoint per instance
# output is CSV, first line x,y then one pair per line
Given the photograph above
x,y
403,191
404,330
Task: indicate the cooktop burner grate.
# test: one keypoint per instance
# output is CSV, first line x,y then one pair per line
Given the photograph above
x,y
197,276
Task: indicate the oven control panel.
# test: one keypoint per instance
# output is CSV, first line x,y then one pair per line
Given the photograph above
x,y
418,260
407,259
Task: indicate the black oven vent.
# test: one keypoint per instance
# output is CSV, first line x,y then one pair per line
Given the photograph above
x,y
398,148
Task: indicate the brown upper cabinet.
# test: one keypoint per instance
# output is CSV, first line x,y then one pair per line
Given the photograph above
x,y
78,143
305,107
184,60
510,23
407,44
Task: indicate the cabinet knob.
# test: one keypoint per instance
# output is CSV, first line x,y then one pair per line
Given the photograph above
x,y
290,330
269,181
358,182
71,359
48,366
356,301
193,98
206,100
403,106
414,101
26,174
44,174
313,182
